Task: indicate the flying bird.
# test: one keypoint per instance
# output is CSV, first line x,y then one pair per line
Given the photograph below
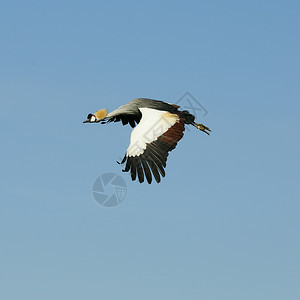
x,y
160,126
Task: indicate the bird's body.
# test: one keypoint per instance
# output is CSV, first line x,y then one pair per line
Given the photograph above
x,y
160,126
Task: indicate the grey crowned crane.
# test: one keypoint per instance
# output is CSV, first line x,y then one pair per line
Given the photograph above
x,y
159,127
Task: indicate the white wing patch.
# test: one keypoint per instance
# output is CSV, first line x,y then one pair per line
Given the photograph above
x,y
153,124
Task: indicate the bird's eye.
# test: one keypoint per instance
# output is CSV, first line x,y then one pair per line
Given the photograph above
x,y
89,116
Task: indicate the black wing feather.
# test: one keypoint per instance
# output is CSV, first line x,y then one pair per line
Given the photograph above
x,y
146,170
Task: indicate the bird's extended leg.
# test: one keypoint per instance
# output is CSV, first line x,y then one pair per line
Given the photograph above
x,y
201,127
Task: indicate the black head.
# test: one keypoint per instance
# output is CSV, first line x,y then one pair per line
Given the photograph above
x,y
90,119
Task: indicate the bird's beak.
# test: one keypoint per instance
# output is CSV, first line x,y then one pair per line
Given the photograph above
x,y
86,121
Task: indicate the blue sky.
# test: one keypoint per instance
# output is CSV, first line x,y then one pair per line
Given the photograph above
x,y
223,224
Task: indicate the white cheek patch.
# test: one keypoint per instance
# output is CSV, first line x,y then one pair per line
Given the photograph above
x,y
93,119
153,124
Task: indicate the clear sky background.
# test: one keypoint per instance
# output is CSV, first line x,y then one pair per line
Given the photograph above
x,y
223,224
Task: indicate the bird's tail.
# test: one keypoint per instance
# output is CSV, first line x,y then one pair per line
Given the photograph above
x,y
187,116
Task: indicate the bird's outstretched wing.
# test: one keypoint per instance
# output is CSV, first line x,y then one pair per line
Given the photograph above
x,y
151,141
130,112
